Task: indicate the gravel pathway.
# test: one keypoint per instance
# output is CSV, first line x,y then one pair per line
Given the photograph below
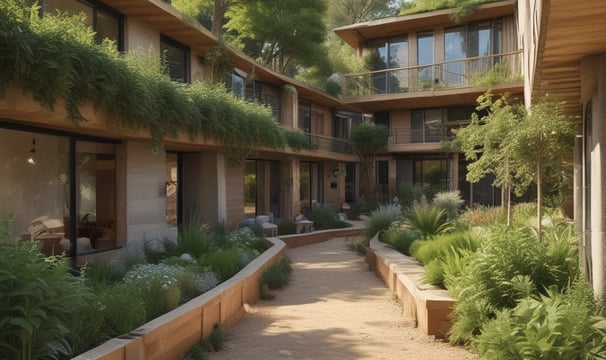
x,y
333,308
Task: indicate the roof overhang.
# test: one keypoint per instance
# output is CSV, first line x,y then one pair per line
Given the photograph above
x,y
429,99
569,31
357,34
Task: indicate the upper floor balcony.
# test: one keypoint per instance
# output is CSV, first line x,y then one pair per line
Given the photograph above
x,y
482,71
330,144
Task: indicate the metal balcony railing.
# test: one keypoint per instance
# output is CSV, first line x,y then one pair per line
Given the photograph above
x,y
476,71
416,136
327,143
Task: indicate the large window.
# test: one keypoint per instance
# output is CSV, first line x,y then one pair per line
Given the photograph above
x,y
60,189
389,54
425,59
470,41
106,22
431,175
176,59
235,83
426,126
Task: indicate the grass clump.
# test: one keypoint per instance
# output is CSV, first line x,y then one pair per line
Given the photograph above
x,y
428,219
325,218
382,219
400,239
278,275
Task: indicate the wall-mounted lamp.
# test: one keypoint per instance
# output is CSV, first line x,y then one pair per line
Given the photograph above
x,y
31,158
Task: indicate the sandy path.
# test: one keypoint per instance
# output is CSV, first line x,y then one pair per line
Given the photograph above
x,y
333,308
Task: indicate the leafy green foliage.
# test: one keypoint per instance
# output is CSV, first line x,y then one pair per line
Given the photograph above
x,y
428,219
325,217
55,59
278,275
511,265
292,32
463,7
124,310
436,253
38,297
400,239
382,219
551,326
369,137
194,241
450,202
286,227
408,194
298,141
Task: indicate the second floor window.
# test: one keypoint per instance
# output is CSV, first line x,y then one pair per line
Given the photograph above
x,y
235,84
106,22
176,59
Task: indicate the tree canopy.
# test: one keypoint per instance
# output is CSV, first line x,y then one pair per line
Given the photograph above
x,y
291,32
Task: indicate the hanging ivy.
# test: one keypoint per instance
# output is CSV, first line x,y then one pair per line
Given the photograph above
x,y
55,58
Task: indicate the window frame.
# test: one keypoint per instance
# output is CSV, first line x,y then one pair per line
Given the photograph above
x,y
165,40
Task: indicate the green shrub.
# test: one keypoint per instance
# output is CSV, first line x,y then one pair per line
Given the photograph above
x,y
325,218
100,275
409,194
415,246
278,275
511,264
551,326
450,202
123,309
356,209
225,262
286,227
215,340
157,285
194,241
400,239
382,219
429,220
484,216
37,299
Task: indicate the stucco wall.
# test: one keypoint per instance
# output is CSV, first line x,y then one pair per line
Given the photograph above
x,y
145,193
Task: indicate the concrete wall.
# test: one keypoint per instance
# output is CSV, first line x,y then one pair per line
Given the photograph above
x,y
529,25
593,78
145,193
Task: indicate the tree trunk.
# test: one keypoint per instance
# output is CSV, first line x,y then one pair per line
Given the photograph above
x,y
539,200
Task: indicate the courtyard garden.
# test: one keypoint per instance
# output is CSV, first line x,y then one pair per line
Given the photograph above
x,y
518,295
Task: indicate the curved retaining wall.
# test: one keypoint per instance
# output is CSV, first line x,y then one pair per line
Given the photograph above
x,y
174,333
429,305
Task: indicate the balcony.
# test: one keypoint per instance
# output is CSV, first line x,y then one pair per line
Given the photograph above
x,y
401,136
332,144
470,72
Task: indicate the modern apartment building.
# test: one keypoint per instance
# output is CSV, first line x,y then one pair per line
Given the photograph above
x,y
425,72
565,58
111,185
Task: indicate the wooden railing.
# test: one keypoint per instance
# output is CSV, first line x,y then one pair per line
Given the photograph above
x,y
476,71
327,143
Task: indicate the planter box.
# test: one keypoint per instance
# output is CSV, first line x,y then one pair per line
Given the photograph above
x,y
429,305
171,335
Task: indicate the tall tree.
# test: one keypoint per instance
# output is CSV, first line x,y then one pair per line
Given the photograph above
x,y
518,147
540,144
485,143
292,31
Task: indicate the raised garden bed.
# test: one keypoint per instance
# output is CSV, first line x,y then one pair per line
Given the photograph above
x,y
428,304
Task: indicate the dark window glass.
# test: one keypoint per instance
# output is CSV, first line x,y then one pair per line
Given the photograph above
x,y
106,22
382,172
176,59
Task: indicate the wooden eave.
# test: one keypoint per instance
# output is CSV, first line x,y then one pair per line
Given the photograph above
x,y
357,34
569,31
429,99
